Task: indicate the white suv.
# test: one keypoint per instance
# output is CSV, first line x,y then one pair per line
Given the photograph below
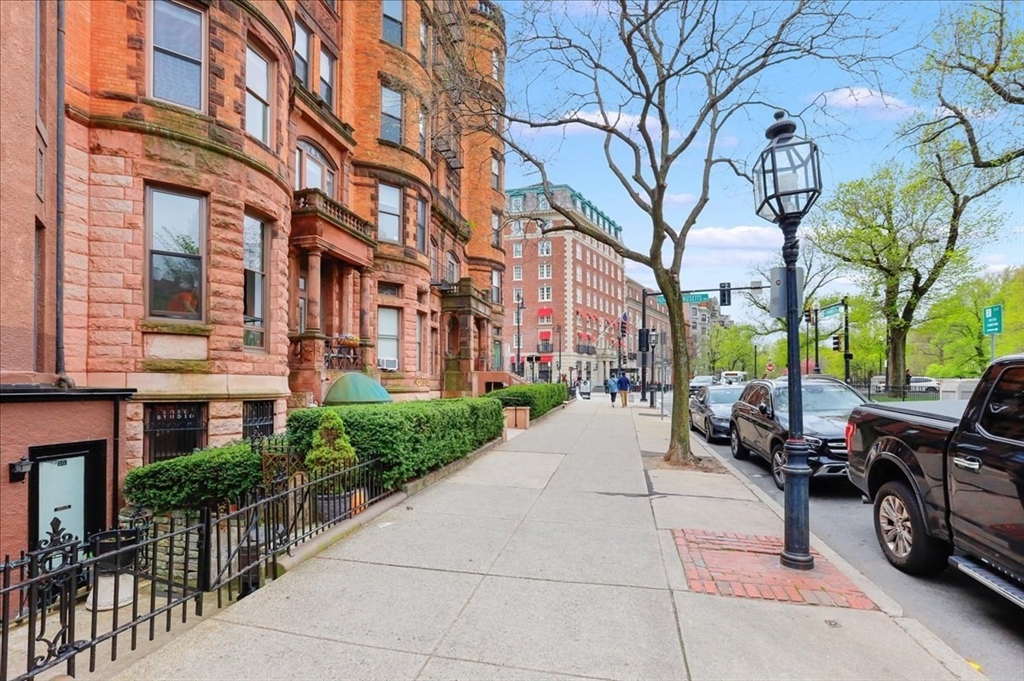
x,y
923,384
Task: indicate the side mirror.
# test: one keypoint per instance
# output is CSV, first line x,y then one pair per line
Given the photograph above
x,y
763,408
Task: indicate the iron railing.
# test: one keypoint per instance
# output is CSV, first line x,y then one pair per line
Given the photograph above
x,y
880,392
341,355
173,429
156,572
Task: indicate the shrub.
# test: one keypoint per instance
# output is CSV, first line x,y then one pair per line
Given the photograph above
x,y
195,480
331,448
412,438
539,397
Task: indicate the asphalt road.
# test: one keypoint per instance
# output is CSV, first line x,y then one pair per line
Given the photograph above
x,y
980,625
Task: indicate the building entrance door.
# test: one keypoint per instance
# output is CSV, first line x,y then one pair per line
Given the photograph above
x,y
67,487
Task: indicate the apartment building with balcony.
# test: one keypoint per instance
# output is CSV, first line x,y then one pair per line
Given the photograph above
x,y
258,196
571,286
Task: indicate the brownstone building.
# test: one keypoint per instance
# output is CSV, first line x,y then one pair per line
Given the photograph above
x,y
257,197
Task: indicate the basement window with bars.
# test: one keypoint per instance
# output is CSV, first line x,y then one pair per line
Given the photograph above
x,y
173,429
257,419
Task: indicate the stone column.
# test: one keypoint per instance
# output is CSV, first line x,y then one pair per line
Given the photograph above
x,y
365,301
313,292
348,292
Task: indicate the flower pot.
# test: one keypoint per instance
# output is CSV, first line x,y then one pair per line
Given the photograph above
x,y
333,506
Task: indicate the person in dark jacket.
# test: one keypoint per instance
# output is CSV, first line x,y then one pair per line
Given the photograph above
x,y
624,388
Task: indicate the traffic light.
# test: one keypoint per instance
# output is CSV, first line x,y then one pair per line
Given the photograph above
x,y
837,342
622,326
724,294
644,340
807,315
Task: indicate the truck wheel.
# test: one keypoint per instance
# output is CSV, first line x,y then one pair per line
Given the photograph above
x,y
778,461
739,452
900,528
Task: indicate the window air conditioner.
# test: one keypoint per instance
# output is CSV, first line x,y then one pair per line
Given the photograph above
x,y
387,364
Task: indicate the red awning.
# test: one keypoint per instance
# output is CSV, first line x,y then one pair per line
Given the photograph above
x,y
545,358
590,336
544,311
580,334
545,335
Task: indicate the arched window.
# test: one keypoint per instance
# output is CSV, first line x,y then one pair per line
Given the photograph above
x,y
451,272
313,168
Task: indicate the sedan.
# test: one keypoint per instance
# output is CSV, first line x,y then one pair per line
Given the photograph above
x,y
710,408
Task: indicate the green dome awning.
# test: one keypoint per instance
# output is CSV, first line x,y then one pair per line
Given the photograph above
x,y
355,387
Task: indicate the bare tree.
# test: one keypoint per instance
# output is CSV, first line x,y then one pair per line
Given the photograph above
x,y
659,81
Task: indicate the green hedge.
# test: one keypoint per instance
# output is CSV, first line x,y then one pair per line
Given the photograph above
x,y
539,397
413,438
194,480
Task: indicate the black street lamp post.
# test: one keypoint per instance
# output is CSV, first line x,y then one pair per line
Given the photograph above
x,y
519,337
787,182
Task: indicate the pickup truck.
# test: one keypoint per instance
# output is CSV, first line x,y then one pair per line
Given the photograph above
x,y
947,479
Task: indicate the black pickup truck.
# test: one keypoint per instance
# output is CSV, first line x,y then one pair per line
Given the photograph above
x,y
947,479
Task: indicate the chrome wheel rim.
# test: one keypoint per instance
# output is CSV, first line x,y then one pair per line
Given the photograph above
x,y
894,523
734,441
778,461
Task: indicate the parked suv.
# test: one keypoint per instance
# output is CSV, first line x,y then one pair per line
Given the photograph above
x,y
923,384
760,423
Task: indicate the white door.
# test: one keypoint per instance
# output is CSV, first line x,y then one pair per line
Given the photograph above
x,y
62,495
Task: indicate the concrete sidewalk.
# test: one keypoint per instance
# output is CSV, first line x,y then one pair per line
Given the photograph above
x,y
557,556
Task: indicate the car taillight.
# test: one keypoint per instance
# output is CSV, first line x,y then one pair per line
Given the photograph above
x,y
849,436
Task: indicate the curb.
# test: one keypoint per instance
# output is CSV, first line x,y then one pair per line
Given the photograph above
x,y
932,644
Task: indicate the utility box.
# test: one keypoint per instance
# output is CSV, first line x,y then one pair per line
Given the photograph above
x,y
517,417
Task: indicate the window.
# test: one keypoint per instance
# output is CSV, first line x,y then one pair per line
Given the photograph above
x,y
517,249
517,273
542,202
327,77
393,18
578,252
389,213
175,254
39,284
451,271
433,261
313,170
495,65
423,133
421,323
517,316
517,204
579,273
178,37
1003,414
424,43
544,271
544,294
421,225
579,296
301,50
257,419
257,95
496,230
496,173
517,294
495,286
173,429
544,320
544,248
387,333
390,115
254,256
517,230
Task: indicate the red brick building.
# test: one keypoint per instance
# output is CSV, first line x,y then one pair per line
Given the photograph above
x,y
258,197
573,289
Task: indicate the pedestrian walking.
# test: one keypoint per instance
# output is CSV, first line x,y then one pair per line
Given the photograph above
x,y
612,387
624,389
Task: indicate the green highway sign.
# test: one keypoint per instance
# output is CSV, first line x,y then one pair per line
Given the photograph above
x,y
695,297
992,319
831,310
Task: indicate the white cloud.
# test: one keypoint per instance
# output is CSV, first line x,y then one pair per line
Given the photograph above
x,y
875,105
755,239
683,199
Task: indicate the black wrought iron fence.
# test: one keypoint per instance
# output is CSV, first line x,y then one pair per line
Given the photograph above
x,y
149,574
881,392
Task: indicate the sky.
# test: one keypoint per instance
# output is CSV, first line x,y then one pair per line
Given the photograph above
x,y
856,132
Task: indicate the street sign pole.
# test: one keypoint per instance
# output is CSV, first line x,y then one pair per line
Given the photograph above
x,y
992,323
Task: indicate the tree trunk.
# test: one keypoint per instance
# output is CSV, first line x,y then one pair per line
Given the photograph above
x,y
897,356
679,450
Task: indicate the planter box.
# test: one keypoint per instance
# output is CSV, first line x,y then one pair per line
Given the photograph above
x,y
517,417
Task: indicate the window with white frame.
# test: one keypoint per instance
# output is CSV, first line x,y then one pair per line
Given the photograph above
x,y
544,294
517,295
544,248
542,202
578,253
496,230
254,291
176,228
544,271
517,204
452,271
495,286
301,51
390,114
387,333
495,173
517,230
544,320
313,170
257,95
389,213
517,273
423,132
394,18
517,316
424,43
421,324
579,273
517,249
495,65
178,53
579,296
327,77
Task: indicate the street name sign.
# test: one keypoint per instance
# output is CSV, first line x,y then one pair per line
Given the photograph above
x,y
661,300
831,310
695,297
993,319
